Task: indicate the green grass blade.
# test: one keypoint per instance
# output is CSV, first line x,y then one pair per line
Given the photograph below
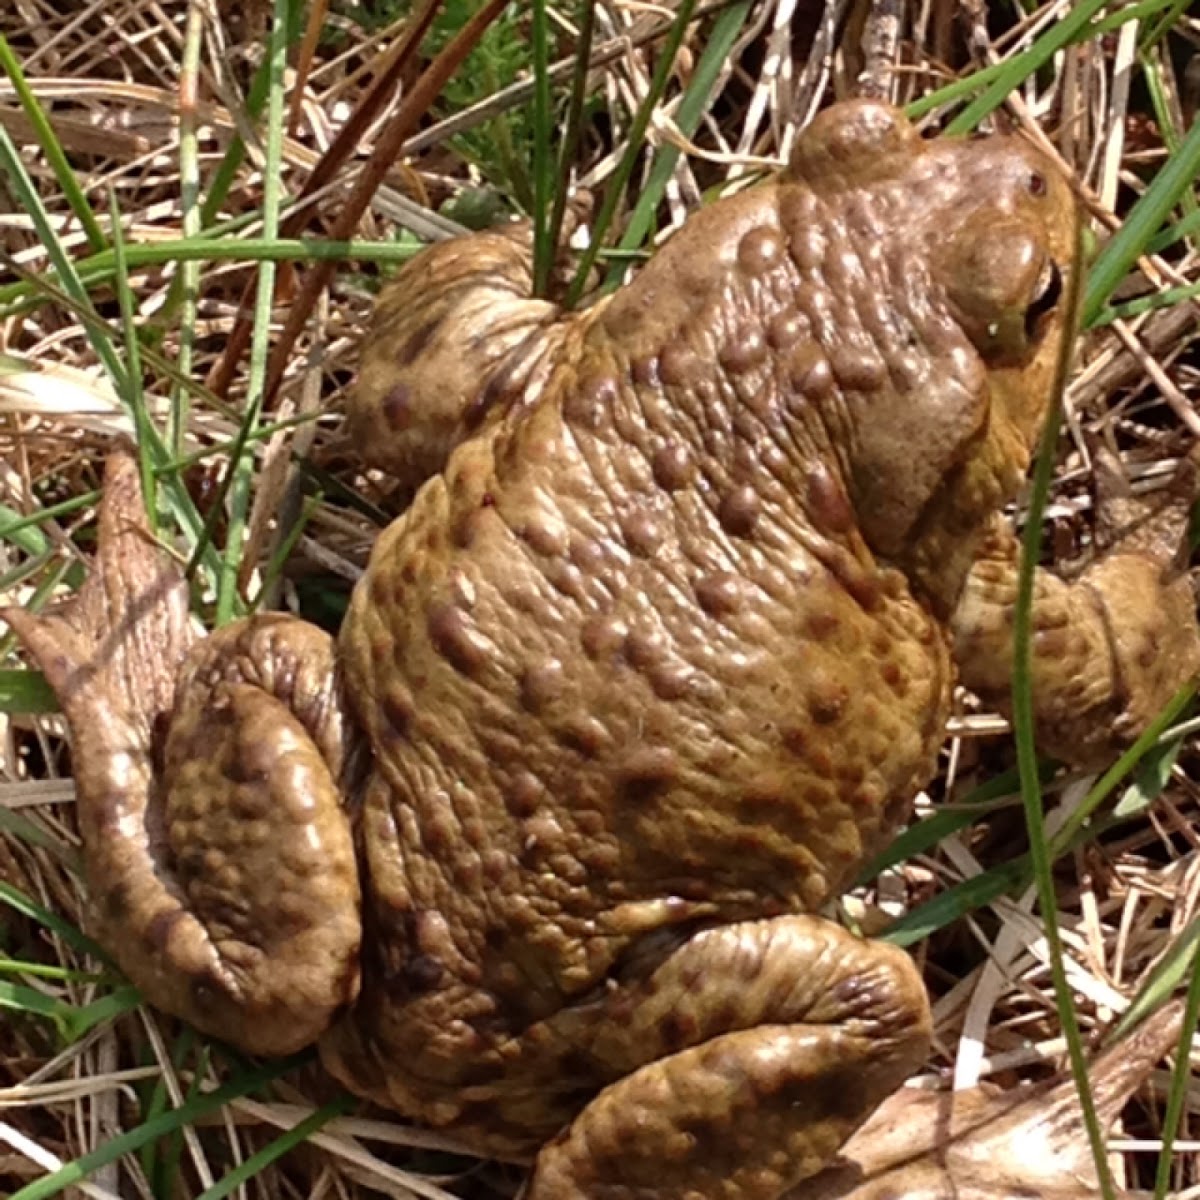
x,y
26,692
51,148
21,828
692,107
276,1149
573,124
16,298
122,999
135,396
1181,1076
78,941
543,133
1144,304
110,1151
186,285
31,203
17,529
241,470
1027,761
1018,68
615,189
1145,219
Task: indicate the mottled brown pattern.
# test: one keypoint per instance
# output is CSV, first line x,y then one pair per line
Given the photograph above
x,y
659,654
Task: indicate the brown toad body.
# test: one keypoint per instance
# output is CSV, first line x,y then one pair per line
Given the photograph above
x,y
659,654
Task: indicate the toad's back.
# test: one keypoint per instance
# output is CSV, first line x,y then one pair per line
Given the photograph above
x,y
628,662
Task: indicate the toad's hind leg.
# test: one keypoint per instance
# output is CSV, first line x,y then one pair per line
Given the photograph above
x,y
218,857
765,1044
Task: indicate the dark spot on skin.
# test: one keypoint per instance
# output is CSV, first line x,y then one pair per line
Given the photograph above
x,y
248,767
588,555
852,774
585,735
460,645
745,352
760,250
644,648
523,795
859,371
894,677
865,799
603,636
809,372
566,578
672,680
116,900
739,511
1149,652
416,343
466,528
396,706
784,330
642,533
819,759
890,1192
827,702
482,402
422,973
645,371
827,501
673,466
162,926
397,407
794,739
655,765
808,247
720,593
590,403
544,535
851,995
821,626
677,1030
864,589
679,365
541,685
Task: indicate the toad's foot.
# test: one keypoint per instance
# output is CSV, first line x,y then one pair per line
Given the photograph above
x,y
765,1045
1110,648
218,857
983,1144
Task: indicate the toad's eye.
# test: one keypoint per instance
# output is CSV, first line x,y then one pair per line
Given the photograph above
x,y
1036,184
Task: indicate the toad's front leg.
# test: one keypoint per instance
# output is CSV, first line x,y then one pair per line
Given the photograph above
x,y
747,1058
217,853
1110,648
456,338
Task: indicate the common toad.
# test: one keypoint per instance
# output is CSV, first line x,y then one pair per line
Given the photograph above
x,y
658,655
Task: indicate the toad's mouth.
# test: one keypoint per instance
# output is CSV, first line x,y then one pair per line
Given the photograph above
x,y
1045,300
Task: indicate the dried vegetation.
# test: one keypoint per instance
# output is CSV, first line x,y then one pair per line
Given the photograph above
x,y
148,103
